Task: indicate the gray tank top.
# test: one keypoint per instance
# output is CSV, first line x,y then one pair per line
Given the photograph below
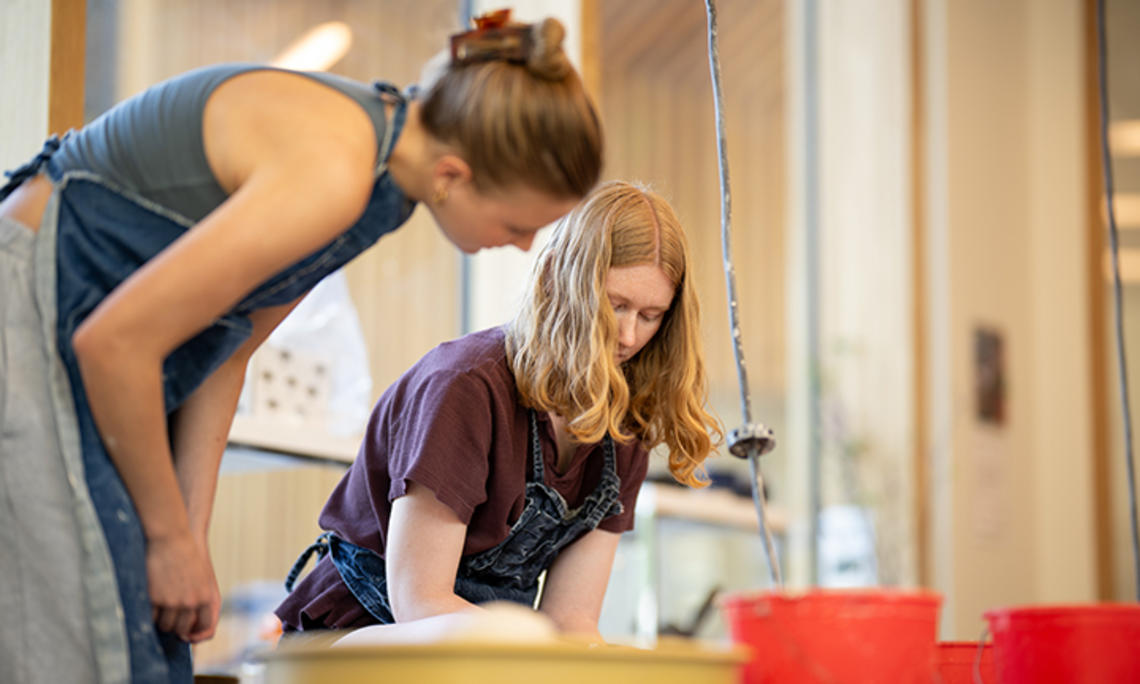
x,y
151,143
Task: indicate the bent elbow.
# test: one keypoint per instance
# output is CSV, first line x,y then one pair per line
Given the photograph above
x,y
404,605
87,341
101,350
413,603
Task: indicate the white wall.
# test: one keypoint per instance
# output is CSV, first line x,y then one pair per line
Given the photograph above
x,y
1006,190
1005,237
861,205
865,267
25,59
1065,555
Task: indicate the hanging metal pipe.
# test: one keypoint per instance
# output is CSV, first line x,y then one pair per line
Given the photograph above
x,y
751,440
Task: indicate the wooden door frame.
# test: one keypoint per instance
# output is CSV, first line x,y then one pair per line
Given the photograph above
x,y
920,387
68,65
1099,365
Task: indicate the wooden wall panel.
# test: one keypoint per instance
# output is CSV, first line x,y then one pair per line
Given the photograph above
x,y
68,42
263,519
658,111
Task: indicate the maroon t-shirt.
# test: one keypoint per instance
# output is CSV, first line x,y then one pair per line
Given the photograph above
x,y
453,424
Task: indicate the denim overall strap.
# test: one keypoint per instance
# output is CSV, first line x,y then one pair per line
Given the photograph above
x,y
537,469
365,575
389,93
361,569
604,501
319,547
546,525
31,168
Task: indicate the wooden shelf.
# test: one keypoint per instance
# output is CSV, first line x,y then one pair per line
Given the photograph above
x,y
712,506
292,438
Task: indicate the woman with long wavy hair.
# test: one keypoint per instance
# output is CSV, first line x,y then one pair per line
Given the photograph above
x,y
522,448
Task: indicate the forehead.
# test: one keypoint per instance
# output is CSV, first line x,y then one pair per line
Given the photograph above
x,y
645,285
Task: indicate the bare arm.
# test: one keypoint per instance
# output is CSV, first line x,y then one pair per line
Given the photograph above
x,y
425,542
200,429
201,425
576,584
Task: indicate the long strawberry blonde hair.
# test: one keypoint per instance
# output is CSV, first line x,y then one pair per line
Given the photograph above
x,y
561,345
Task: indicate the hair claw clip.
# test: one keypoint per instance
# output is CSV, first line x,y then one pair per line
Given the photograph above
x,y
493,19
493,38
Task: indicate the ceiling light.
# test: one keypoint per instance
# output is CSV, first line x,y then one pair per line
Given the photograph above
x,y
321,47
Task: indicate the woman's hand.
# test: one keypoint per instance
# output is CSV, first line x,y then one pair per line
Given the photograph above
x,y
183,589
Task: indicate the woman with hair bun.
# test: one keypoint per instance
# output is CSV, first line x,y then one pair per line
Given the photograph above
x,y
521,449
146,256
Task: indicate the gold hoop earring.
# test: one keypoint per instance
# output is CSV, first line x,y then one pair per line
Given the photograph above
x,y
440,195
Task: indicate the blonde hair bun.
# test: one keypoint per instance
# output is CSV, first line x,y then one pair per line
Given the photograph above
x,y
547,59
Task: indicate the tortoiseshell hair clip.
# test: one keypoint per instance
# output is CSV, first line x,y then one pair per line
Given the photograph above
x,y
493,38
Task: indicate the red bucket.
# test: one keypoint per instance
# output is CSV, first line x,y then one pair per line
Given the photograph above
x,y
1072,644
839,636
956,659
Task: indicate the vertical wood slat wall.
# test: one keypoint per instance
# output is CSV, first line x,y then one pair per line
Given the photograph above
x,y
263,519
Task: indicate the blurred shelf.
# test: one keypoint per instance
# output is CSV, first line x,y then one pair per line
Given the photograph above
x,y
711,506
716,506
292,438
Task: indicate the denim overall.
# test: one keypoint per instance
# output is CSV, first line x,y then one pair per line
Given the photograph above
x,y
102,234
506,572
